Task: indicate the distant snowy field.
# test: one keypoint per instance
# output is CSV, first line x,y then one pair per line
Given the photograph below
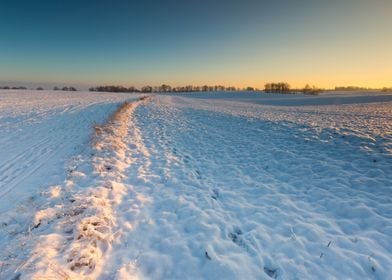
x,y
196,186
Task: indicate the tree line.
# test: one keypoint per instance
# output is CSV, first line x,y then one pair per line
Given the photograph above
x,y
41,88
164,88
279,87
285,88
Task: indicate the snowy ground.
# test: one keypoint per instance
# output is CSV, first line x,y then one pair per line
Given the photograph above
x,y
202,186
40,131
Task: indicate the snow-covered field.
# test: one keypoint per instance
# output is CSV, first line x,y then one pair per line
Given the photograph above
x,y
196,186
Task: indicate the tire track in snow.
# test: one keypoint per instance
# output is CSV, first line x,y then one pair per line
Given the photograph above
x,y
25,160
18,172
19,156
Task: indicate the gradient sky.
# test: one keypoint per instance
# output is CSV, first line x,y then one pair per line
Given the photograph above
x,y
240,43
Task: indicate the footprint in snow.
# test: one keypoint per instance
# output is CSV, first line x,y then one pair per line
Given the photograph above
x,y
187,159
271,272
236,237
215,194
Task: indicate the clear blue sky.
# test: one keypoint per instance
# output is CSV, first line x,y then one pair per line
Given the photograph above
x,y
247,42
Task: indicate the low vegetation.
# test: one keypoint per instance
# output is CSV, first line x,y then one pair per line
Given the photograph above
x,y
351,88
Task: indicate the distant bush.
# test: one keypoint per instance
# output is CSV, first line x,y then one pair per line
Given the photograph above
x,y
66,89
385,89
18,87
312,90
40,88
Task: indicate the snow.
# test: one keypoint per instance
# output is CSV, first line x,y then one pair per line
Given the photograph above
x,y
195,186
39,131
